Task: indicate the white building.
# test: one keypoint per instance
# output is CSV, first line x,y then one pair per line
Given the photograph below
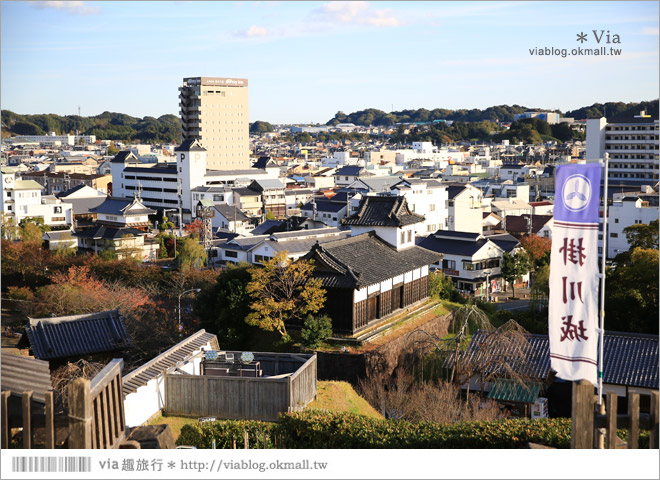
x,y
464,208
630,209
428,198
22,199
633,147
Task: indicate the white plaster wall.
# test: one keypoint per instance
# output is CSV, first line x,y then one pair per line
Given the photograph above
x,y
416,274
408,277
373,288
398,279
359,295
386,285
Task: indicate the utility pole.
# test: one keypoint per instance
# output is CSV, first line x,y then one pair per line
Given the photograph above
x,y
180,209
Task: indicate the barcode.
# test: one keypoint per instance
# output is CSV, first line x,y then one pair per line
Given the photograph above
x,y
51,464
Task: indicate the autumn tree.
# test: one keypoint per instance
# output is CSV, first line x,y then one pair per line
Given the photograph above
x,y
515,266
537,248
30,232
283,291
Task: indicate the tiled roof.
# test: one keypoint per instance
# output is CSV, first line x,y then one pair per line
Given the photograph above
x,y
168,359
124,156
20,374
457,235
629,359
121,206
365,259
109,233
505,241
230,212
75,335
269,226
448,246
190,145
324,206
349,170
387,211
518,223
266,184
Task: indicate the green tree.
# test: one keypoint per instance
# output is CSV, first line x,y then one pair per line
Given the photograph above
x,y
191,254
515,266
261,127
441,286
642,235
112,150
270,215
317,329
31,232
222,307
283,291
631,293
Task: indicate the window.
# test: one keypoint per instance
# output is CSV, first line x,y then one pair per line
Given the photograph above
x,y
260,258
403,237
57,209
231,254
449,264
616,220
58,219
409,236
614,235
468,266
432,207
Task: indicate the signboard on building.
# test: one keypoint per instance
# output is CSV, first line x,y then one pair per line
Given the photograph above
x,y
214,81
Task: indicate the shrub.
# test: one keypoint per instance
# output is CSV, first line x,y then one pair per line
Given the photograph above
x,y
441,286
317,329
20,293
201,435
321,429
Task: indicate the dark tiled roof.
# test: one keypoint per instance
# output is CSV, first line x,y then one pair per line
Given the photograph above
x,y
190,145
518,223
246,192
387,211
364,260
109,233
124,156
629,359
269,226
324,206
120,206
266,184
68,192
20,374
83,206
264,162
453,234
505,241
448,246
454,190
168,359
230,212
75,335
349,170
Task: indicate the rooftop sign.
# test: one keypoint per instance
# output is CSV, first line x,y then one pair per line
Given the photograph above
x,y
225,82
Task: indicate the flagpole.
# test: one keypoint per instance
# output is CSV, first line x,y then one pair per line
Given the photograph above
x,y
602,286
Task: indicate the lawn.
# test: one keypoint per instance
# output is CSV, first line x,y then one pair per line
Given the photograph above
x,y
341,397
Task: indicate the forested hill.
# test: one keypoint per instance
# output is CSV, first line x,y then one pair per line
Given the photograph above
x,y
502,113
108,125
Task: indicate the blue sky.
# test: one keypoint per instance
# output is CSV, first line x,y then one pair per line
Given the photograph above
x,y
307,60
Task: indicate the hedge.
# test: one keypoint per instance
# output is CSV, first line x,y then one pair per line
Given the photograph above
x,y
320,429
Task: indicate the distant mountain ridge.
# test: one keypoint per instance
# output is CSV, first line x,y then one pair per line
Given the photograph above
x,y
501,113
108,125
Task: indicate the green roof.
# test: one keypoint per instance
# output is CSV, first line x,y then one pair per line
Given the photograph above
x,y
513,391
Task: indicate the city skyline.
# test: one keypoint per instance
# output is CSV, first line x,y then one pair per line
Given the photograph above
x,y
307,60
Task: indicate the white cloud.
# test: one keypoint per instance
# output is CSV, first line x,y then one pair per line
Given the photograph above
x,y
359,13
255,31
650,31
74,7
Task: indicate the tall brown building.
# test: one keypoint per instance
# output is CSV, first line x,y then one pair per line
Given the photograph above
x,y
215,112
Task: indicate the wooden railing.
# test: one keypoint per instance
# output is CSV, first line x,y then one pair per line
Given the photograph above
x,y
96,409
29,420
589,420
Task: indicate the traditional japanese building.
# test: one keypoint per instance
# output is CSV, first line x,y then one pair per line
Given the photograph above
x,y
378,270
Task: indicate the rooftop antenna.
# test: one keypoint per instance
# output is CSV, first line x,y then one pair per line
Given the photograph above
x,y
138,194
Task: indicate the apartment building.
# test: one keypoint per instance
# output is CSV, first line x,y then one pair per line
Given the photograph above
x,y
215,112
632,144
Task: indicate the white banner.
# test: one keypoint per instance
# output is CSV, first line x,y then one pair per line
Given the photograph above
x,y
573,306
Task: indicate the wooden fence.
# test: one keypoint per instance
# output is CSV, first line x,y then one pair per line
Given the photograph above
x,y
589,420
241,397
95,418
